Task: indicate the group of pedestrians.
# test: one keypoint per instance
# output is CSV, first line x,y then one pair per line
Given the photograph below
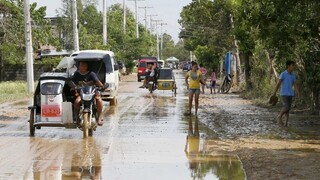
x,y
196,80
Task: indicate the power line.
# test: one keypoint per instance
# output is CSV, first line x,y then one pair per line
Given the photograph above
x,y
150,16
161,42
145,14
157,35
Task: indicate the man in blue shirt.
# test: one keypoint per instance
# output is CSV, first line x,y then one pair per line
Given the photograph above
x,y
287,80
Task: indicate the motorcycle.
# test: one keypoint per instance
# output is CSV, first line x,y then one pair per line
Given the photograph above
x,y
88,111
151,84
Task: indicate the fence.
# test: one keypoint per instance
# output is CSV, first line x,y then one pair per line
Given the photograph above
x,y
19,72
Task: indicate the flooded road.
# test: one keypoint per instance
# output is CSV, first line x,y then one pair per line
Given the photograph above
x,y
146,136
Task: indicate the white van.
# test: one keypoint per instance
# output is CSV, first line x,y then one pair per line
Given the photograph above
x,y
103,63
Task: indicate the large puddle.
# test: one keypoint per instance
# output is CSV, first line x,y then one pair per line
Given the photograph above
x,y
204,166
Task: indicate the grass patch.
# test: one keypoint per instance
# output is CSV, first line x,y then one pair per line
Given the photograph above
x,y
13,91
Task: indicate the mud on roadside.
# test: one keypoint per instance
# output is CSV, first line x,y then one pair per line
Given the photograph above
x,y
267,150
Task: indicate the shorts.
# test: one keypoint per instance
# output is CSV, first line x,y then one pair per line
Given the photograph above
x,y
287,102
213,84
194,91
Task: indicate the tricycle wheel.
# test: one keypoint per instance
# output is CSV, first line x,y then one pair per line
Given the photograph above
x,y
85,125
150,88
31,122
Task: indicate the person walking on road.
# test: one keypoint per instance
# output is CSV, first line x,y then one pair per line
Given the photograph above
x,y
287,80
213,81
203,70
193,80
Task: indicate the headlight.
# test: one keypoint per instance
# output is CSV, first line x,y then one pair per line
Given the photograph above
x,y
140,71
87,97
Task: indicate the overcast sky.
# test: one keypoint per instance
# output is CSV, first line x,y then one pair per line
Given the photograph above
x,y
167,10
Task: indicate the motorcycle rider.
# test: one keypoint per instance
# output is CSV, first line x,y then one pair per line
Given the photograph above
x,y
150,72
86,77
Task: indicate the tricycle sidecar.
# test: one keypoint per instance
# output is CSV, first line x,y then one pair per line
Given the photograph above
x,y
50,104
166,80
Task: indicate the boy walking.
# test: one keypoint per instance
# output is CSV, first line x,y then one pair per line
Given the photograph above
x,y
287,80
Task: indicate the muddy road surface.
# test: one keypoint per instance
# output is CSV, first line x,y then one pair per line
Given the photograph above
x,y
147,136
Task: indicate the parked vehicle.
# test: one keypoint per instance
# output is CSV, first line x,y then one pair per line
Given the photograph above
x,y
148,57
122,68
161,63
186,67
142,66
226,85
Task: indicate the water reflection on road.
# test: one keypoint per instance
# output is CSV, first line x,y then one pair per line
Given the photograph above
x,y
205,166
80,159
152,139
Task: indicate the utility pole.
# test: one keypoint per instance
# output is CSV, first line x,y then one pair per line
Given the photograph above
x,y
150,16
161,44
145,15
29,51
137,22
75,26
157,36
124,16
105,31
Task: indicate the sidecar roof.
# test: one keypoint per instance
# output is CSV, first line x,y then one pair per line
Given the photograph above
x,y
92,55
53,75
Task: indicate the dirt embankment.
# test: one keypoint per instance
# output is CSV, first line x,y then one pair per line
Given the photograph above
x,y
267,150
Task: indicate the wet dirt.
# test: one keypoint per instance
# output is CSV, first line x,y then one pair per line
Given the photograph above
x,y
147,136
266,149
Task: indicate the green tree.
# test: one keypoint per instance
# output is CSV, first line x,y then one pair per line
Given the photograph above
x,y
206,30
12,49
180,52
284,30
168,46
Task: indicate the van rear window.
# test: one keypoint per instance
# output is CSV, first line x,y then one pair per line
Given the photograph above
x,y
109,65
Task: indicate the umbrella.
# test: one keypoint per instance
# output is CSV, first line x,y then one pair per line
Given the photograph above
x,y
172,59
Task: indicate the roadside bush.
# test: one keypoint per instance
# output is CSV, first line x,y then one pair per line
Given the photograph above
x,y
130,65
263,84
13,90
